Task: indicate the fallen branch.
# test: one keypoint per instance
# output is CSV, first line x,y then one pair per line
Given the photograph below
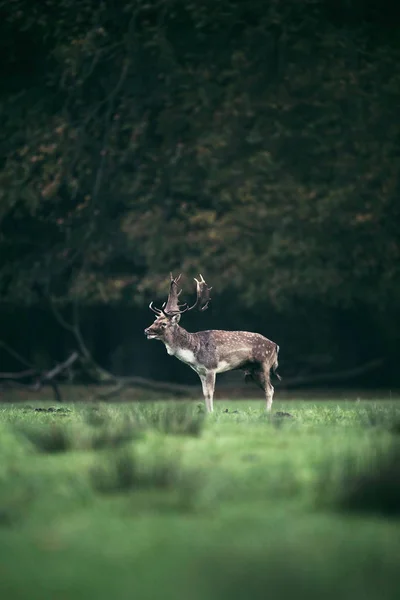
x,y
15,355
87,360
88,363
19,375
344,375
106,378
60,367
41,378
162,386
115,391
293,382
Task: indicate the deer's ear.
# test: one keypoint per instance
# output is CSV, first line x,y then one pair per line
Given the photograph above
x,y
175,319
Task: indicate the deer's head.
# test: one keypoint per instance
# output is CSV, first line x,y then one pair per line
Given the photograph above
x,y
168,316
162,328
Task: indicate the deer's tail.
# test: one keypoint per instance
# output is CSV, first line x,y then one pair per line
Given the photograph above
x,y
275,365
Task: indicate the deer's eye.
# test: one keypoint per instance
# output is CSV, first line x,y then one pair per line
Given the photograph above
x,y
163,325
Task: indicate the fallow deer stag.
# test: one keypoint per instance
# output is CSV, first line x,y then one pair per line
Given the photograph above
x,y
213,351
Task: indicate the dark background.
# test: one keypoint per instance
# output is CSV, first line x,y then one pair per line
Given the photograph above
x,y
255,142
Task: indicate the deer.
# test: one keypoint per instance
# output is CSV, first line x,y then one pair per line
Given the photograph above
x,y
213,351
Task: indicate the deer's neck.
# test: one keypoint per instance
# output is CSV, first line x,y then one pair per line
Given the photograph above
x,y
181,341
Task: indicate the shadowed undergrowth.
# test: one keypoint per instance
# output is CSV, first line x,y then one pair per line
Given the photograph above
x,y
163,475
56,437
383,418
364,484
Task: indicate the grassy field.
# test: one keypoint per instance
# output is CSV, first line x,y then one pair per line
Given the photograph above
x,y
157,500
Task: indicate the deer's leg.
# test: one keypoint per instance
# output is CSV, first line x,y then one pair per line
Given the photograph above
x,y
260,376
268,387
256,376
208,385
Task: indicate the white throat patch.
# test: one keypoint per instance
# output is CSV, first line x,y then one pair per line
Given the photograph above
x,y
184,354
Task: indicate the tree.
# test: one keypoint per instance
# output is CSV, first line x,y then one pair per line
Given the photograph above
x,y
259,143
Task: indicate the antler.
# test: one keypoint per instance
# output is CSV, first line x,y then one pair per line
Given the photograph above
x,y
156,310
203,295
172,307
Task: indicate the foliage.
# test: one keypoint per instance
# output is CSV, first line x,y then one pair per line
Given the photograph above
x,y
260,142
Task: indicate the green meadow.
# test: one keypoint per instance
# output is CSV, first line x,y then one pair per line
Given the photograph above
x,y
158,500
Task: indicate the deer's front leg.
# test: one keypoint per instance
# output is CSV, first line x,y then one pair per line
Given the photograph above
x,y
208,385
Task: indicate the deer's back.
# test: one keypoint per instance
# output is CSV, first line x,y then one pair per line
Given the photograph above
x,y
226,350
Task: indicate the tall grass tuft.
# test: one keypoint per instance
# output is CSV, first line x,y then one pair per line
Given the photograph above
x,y
125,473
53,438
113,437
364,485
48,438
176,419
382,418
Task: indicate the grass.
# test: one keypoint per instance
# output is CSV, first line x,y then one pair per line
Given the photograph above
x,y
158,500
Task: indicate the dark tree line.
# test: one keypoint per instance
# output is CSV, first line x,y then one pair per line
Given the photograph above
x,y
256,142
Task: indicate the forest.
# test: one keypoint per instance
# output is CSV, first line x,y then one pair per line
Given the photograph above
x,y
257,143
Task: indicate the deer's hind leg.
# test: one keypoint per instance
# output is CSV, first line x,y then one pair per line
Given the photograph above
x,y
268,387
255,375
260,375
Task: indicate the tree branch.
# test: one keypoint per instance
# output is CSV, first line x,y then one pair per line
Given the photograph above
x,y
344,375
20,375
88,362
162,386
41,378
15,354
60,367
106,377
